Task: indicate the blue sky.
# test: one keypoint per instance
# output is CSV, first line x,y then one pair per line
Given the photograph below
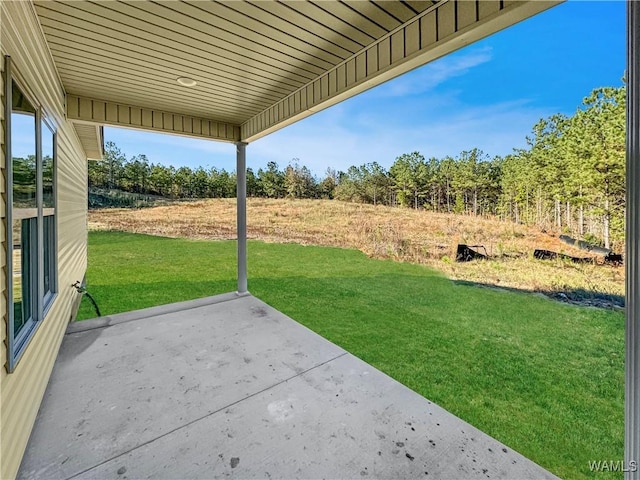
x,y
487,95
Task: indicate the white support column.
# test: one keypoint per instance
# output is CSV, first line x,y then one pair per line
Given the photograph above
x,y
241,210
632,260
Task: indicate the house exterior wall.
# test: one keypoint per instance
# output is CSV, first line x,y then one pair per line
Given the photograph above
x,y
21,392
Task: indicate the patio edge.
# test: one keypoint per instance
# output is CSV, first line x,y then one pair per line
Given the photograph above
x,y
115,319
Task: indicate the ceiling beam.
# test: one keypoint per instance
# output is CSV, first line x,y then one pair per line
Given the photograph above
x,y
101,112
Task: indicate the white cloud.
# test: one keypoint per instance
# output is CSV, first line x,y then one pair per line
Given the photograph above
x,y
430,76
439,128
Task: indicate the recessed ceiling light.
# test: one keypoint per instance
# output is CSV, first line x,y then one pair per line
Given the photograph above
x,y
186,81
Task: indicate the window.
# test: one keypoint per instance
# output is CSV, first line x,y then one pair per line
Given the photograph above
x,y
48,214
31,242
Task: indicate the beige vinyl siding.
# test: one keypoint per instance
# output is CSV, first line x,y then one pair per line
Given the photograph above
x,y
21,391
3,263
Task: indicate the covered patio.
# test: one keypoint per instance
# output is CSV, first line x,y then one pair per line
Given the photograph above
x,y
227,386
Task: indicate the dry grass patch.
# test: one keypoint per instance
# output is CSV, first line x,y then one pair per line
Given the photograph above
x,y
384,232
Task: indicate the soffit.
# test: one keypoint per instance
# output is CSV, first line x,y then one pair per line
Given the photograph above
x,y
92,139
245,56
259,65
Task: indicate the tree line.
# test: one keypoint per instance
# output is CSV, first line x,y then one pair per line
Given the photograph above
x,y
138,175
569,178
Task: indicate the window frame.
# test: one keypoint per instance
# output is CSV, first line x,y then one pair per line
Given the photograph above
x,y
50,242
17,344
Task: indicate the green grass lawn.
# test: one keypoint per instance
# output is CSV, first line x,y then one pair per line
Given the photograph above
x,y
545,378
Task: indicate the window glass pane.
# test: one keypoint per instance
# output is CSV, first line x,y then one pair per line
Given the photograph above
x,y
18,319
48,212
49,255
23,150
24,268
20,103
47,169
24,211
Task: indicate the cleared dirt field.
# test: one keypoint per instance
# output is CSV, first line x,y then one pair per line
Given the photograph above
x,y
396,233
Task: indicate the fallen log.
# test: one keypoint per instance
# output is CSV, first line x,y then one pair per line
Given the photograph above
x,y
609,257
549,255
583,245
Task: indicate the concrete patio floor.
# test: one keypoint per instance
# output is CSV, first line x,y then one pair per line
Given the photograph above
x,y
229,387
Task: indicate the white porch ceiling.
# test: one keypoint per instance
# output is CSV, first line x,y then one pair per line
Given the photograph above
x,y
259,65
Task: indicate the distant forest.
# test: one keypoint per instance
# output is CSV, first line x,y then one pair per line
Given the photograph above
x,y
570,178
